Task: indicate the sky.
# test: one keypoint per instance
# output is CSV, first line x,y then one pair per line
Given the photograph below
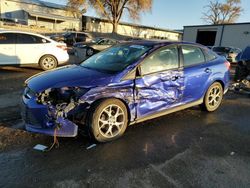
x,y
173,14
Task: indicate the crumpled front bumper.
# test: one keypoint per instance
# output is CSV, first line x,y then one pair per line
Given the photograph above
x,y
35,118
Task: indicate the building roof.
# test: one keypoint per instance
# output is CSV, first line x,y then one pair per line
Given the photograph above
x,y
135,25
42,3
213,25
50,16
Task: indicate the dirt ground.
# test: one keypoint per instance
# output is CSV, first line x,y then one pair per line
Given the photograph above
x,y
190,148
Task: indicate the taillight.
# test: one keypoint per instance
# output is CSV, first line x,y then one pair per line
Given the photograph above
x,y
227,64
63,47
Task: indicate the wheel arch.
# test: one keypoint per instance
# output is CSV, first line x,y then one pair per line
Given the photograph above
x,y
215,80
221,82
97,101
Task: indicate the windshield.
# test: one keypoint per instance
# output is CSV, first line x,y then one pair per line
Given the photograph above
x,y
246,54
221,49
115,59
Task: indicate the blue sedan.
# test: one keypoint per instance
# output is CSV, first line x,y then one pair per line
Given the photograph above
x,y
123,85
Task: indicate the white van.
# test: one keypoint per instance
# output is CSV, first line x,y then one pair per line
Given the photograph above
x,y
29,49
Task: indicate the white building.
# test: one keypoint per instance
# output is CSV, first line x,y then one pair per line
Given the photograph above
x,y
41,15
101,25
37,13
236,35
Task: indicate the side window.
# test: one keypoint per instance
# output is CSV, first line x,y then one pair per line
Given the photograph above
x,y
110,42
29,39
192,55
103,42
7,38
209,54
81,36
163,59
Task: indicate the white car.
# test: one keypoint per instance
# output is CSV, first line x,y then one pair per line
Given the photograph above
x,y
29,49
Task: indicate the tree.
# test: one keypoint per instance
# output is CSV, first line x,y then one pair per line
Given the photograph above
x,y
220,13
76,7
113,9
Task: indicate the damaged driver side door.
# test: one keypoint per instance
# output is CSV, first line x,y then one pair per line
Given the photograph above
x,y
160,83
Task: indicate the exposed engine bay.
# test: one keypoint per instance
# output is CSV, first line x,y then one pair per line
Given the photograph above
x,y
61,103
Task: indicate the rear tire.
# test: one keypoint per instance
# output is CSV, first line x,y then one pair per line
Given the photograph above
x,y
108,120
48,62
213,97
90,51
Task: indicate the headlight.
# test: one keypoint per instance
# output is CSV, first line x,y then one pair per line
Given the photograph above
x,y
73,91
28,93
60,95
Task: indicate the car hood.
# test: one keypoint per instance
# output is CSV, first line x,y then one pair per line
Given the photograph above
x,y
68,76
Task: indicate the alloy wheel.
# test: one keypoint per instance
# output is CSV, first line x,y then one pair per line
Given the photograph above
x,y
49,63
111,121
90,52
215,96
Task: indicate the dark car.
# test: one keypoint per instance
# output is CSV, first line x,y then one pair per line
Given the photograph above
x,y
96,45
123,85
243,64
229,53
71,37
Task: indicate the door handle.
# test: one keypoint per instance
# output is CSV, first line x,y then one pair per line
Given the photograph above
x,y
208,70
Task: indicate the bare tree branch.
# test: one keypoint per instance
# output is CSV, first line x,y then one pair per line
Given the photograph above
x,y
114,9
219,13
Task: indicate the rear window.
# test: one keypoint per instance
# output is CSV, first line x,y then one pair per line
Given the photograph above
x,y
209,54
7,38
221,49
30,39
192,55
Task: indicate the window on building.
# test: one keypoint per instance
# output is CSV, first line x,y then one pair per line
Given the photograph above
x,y
192,55
7,38
164,59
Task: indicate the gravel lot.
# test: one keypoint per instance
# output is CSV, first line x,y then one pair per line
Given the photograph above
x,y
189,148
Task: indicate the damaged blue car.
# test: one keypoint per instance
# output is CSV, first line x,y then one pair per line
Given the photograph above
x,y
123,85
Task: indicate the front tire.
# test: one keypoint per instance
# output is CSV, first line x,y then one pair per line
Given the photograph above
x,y
213,97
108,120
48,62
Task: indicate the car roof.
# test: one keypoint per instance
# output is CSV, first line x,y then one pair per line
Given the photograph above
x,y
24,32
162,42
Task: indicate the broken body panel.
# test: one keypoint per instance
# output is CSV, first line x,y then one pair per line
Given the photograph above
x,y
62,98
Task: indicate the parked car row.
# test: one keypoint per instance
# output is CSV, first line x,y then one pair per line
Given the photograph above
x,y
29,49
96,45
26,49
70,38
